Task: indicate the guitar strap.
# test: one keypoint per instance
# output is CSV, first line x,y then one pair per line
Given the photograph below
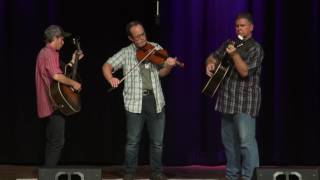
x,y
246,46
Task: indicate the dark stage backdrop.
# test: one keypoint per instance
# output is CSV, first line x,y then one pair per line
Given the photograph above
x,y
288,125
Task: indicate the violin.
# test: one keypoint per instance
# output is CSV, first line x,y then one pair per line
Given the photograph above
x,y
149,53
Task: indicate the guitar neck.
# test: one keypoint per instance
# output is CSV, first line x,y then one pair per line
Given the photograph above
x,y
75,67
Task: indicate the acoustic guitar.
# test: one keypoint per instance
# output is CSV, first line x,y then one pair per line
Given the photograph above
x,y
64,97
223,67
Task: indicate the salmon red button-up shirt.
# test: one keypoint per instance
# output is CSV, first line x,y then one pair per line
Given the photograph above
x,y
46,66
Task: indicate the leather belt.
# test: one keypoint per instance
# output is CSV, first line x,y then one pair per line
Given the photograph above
x,y
147,92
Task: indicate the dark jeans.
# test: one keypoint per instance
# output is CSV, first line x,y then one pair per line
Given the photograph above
x,y
155,124
54,139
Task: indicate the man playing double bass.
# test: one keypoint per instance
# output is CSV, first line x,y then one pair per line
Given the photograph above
x,y
143,100
48,70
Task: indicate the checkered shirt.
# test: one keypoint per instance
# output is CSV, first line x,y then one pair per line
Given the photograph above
x,y
242,95
132,93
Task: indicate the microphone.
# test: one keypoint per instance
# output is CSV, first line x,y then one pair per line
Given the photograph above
x,y
157,17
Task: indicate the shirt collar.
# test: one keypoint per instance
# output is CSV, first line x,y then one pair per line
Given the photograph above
x,y
51,48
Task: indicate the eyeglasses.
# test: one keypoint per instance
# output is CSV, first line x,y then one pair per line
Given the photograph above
x,y
139,36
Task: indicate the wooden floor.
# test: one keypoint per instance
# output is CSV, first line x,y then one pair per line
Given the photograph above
x,y
14,172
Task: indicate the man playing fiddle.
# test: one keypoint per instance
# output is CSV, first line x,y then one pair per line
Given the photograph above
x,y
143,99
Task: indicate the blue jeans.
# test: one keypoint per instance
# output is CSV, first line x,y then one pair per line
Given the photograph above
x,y
155,124
238,137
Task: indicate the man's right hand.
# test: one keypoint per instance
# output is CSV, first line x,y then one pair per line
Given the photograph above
x,y
210,68
114,82
76,86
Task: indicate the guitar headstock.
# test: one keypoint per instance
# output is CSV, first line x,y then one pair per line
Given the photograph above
x,y
76,42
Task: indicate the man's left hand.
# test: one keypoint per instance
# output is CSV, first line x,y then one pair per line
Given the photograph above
x,y
79,53
171,61
231,50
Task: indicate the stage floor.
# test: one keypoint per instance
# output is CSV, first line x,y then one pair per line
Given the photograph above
x,y
194,172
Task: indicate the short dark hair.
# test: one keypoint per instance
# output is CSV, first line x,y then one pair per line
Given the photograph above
x,y
131,24
245,15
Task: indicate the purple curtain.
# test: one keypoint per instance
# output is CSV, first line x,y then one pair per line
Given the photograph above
x,y
288,124
290,107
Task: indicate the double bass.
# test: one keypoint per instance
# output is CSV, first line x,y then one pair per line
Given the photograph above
x,y
64,97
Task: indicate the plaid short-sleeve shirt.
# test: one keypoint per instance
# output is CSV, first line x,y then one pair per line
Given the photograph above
x,y
132,93
242,95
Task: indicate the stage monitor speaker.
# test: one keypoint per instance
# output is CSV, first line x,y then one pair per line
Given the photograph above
x,y
68,173
286,173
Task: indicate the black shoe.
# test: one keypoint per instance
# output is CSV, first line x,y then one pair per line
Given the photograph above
x,y
158,177
128,177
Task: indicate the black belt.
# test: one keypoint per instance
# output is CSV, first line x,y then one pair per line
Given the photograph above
x,y
147,92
